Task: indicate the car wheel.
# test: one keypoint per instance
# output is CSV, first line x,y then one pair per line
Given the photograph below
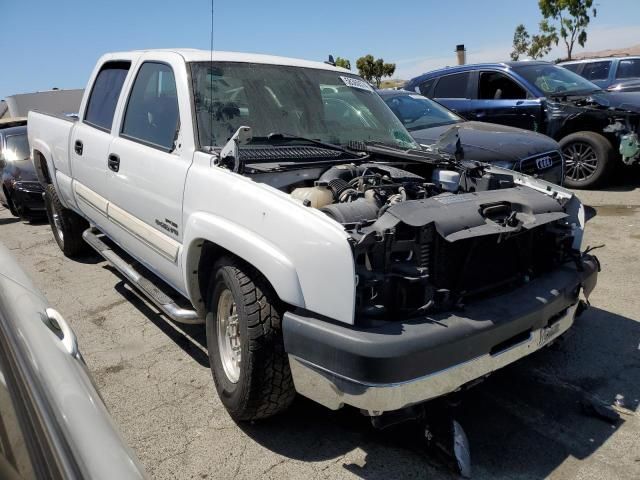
x,y
244,337
589,158
67,226
13,208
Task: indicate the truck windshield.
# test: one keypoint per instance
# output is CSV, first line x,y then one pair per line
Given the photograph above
x,y
554,80
324,105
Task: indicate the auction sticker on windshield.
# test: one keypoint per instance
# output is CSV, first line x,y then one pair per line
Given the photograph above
x,y
356,83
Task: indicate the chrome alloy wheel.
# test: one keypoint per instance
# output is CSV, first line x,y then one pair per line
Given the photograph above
x,y
57,223
581,161
229,344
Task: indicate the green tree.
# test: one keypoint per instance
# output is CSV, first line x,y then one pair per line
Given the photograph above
x,y
573,17
521,42
533,46
374,70
343,62
543,42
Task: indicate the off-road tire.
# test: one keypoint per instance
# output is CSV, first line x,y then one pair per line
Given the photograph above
x,y
70,223
264,387
604,154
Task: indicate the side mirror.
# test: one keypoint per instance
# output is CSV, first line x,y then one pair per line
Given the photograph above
x,y
231,152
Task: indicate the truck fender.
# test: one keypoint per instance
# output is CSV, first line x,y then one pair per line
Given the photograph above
x,y
43,162
44,165
269,260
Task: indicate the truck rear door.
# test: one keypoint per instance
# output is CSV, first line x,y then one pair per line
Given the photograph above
x,y
90,140
148,162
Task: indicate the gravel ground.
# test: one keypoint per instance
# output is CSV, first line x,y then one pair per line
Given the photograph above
x,y
523,422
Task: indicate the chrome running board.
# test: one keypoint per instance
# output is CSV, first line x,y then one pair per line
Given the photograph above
x,y
145,285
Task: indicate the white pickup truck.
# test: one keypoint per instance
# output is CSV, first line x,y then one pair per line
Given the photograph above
x,y
281,203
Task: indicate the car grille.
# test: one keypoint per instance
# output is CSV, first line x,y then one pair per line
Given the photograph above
x,y
30,186
537,164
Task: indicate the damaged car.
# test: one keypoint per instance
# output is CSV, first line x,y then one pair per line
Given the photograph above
x,y
596,129
20,190
508,147
281,204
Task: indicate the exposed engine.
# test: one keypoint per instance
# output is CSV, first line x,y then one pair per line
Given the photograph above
x,y
431,245
353,194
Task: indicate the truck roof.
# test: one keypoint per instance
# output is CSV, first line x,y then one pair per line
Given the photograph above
x,y
195,55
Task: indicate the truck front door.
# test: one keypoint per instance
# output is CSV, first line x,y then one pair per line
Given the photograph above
x,y
148,162
90,140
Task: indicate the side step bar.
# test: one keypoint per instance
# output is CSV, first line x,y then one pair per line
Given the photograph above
x,y
145,285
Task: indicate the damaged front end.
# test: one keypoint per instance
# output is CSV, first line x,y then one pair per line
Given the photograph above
x,y
611,114
456,278
446,251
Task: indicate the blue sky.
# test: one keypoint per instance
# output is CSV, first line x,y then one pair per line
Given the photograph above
x,y
52,43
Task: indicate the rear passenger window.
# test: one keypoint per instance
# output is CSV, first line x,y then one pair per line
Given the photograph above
x,y
152,110
629,68
596,70
104,95
452,86
497,86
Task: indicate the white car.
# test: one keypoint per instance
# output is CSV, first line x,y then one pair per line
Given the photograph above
x,y
281,203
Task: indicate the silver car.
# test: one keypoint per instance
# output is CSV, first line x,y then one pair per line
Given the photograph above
x,y
53,423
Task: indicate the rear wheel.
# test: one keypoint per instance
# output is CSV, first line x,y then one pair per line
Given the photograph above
x,y
589,158
67,226
244,338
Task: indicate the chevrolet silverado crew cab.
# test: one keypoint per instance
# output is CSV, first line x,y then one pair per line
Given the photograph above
x,y
281,203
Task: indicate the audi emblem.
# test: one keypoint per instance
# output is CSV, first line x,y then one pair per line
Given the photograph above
x,y
544,162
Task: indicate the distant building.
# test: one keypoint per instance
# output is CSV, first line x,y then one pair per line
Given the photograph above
x,y
53,101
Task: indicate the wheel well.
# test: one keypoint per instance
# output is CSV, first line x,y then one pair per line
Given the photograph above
x,y
41,167
593,126
209,253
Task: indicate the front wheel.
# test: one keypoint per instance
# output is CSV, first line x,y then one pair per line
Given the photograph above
x,y
588,157
67,226
244,337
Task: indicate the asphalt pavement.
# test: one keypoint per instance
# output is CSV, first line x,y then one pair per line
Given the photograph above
x,y
526,421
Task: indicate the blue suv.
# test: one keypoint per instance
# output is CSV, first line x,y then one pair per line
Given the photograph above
x,y
590,124
617,74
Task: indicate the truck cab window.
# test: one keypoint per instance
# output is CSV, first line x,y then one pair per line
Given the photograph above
x,y
596,70
574,67
497,86
104,95
629,68
452,86
152,115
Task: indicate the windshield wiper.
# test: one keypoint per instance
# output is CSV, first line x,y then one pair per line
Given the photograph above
x,y
278,137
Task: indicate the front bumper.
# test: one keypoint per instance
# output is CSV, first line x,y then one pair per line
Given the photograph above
x,y
27,197
398,364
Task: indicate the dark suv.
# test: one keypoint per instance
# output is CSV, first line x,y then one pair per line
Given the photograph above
x,y
590,124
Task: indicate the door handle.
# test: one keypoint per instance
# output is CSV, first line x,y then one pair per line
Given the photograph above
x,y
78,147
69,340
114,162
